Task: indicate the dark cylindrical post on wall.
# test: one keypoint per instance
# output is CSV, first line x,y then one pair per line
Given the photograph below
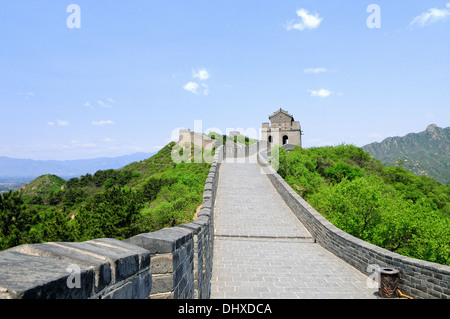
x,y
388,282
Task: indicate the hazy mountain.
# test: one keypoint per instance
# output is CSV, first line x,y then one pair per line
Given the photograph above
x,y
19,168
424,153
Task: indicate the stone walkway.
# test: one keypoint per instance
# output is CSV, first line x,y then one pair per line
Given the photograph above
x,y
261,250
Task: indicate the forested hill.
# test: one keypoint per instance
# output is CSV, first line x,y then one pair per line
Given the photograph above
x,y
387,206
141,197
424,153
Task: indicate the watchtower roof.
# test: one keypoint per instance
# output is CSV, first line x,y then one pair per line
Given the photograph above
x,y
283,112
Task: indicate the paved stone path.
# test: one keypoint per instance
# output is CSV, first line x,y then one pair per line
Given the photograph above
x,y
261,249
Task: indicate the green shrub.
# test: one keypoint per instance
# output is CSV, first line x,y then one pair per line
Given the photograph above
x,y
388,207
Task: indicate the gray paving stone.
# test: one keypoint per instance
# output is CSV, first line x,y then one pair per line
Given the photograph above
x,y
262,250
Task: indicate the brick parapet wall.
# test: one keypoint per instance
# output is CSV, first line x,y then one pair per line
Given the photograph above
x,y
170,263
101,268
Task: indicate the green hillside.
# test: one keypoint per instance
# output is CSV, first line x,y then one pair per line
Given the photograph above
x,y
43,186
424,153
387,206
141,197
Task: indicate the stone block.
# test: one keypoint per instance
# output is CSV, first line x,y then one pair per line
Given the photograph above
x,y
54,270
163,295
162,264
179,256
25,276
142,285
60,251
124,291
207,204
209,183
125,259
163,241
203,220
204,211
162,283
194,227
207,195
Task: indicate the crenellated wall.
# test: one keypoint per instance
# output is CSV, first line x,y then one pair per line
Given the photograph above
x,y
418,278
177,262
170,263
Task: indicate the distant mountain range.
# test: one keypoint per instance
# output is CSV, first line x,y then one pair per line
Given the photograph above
x,y
424,153
28,168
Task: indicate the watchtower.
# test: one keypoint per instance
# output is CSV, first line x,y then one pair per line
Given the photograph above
x,y
283,130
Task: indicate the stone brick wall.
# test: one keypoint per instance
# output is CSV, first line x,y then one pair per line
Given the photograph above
x,y
177,262
170,263
186,136
101,268
418,278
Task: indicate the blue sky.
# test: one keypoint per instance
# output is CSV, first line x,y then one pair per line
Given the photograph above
x,y
137,70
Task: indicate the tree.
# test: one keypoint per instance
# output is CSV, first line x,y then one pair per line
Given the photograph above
x,y
386,206
354,206
14,219
110,214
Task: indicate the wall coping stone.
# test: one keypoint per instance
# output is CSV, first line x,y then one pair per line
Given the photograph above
x,y
163,241
202,220
41,270
195,228
32,277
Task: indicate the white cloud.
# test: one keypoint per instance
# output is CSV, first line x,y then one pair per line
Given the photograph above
x,y
191,87
320,93
315,70
59,123
433,15
88,145
62,123
196,88
205,89
201,74
102,123
103,104
29,95
307,21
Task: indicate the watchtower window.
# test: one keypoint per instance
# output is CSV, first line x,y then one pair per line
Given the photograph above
x,y
285,139
270,138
